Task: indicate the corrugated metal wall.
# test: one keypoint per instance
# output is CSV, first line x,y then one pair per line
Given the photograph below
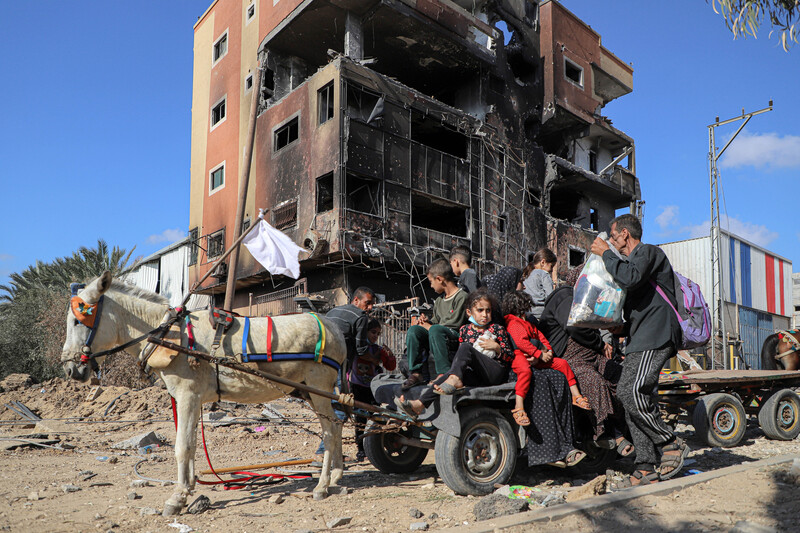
x,y
752,276
754,328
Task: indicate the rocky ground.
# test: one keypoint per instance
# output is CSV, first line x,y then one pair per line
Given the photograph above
x,y
85,484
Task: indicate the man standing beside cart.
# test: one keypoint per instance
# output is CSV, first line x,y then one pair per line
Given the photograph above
x,y
653,336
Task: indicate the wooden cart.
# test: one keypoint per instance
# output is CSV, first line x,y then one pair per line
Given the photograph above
x,y
717,402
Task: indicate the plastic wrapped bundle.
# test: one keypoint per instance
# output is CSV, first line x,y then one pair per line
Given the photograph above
x,y
597,299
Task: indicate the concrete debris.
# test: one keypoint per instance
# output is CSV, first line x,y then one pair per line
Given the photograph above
x,y
139,483
337,490
553,499
276,499
132,496
34,496
94,393
496,505
419,526
148,511
15,382
139,441
415,513
70,488
340,521
200,505
591,488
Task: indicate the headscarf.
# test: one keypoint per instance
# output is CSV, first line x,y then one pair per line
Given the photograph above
x,y
504,281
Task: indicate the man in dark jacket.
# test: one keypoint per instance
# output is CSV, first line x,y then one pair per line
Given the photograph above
x,y
352,320
654,334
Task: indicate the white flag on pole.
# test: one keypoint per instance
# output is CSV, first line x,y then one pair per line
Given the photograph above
x,y
274,250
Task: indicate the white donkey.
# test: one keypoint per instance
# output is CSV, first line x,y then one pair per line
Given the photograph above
x,y
128,312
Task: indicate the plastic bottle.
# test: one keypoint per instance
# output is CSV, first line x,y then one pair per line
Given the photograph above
x,y
150,448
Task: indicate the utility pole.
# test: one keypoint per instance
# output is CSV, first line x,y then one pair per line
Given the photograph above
x,y
717,287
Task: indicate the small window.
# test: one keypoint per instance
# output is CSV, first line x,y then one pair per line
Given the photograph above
x,y
248,82
502,223
325,193
216,243
325,103
193,246
218,113
285,216
573,72
287,134
251,12
216,179
221,47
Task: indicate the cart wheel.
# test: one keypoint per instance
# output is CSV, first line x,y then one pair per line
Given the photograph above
x,y
484,455
390,456
719,419
779,417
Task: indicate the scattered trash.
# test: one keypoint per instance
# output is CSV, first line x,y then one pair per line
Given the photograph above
x,y
182,528
201,504
692,472
259,429
274,452
102,458
150,448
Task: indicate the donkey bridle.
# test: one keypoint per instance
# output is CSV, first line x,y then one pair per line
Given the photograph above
x,y
791,340
86,350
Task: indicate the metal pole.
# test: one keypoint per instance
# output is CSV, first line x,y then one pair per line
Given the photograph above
x,y
244,180
717,285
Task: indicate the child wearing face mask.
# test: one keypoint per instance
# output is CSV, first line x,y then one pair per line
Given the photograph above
x,y
470,366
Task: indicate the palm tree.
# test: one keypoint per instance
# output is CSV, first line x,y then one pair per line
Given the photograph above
x,y
82,265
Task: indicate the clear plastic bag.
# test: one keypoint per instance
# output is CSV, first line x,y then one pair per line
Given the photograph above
x,y
597,299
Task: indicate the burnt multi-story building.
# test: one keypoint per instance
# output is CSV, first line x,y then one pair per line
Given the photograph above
x,y
389,131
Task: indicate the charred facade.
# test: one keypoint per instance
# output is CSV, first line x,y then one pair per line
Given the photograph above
x,y
390,131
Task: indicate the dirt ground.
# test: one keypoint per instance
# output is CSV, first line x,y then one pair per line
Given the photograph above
x,y
34,481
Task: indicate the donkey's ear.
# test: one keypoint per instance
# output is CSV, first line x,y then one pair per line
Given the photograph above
x,y
97,288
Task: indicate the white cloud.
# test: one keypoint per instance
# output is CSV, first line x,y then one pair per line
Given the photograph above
x,y
168,235
6,257
765,150
668,217
755,233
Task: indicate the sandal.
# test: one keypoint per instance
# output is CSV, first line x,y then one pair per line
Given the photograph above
x,y
574,457
446,389
413,380
674,461
404,406
520,416
624,447
582,402
638,478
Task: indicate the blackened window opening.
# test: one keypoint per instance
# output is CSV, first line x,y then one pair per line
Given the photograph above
x,y
363,194
438,216
435,134
564,204
268,84
360,103
594,219
573,72
325,103
593,161
325,193
287,134
576,257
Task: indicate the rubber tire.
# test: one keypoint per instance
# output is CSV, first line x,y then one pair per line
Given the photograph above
x,y
480,426
724,408
784,400
390,457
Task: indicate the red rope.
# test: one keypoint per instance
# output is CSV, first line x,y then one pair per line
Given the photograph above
x,y
174,413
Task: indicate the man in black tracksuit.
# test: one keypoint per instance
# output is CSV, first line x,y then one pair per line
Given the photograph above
x,y
653,337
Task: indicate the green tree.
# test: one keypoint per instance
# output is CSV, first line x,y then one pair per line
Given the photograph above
x,y
744,17
33,307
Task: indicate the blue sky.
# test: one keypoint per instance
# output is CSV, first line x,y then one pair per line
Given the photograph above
x,y
97,117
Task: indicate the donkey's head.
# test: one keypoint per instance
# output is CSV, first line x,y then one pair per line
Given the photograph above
x,y
85,329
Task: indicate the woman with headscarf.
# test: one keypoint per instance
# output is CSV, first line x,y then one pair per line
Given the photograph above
x,y
590,359
507,279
